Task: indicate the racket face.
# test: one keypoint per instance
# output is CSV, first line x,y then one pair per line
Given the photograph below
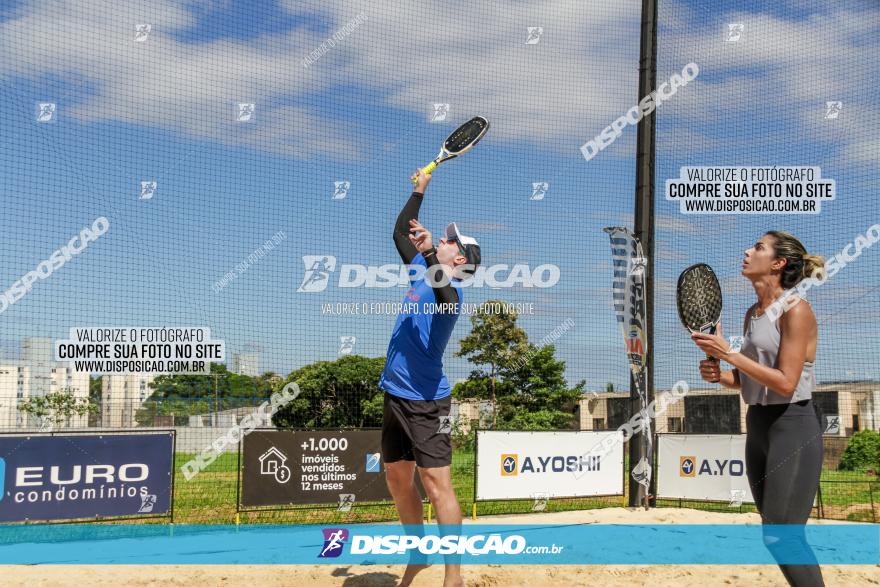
x,y
466,136
698,297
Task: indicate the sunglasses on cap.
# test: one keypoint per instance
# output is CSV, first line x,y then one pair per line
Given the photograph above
x,y
455,240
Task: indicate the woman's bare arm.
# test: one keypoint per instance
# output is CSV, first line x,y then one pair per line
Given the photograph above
x,y
798,327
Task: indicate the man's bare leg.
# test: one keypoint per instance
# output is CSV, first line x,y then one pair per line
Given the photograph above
x,y
401,484
437,482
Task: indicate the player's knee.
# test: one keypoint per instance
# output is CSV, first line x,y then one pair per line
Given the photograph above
x,y
435,483
399,487
399,478
771,536
434,492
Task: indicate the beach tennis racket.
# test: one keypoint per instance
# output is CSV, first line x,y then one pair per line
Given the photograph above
x,y
698,296
459,142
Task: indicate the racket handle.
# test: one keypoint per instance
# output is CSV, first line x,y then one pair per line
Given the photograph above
x,y
427,169
711,358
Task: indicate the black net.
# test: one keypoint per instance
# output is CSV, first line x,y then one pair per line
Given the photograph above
x,y
786,87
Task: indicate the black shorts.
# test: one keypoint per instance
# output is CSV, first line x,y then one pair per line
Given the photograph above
x,y
417,430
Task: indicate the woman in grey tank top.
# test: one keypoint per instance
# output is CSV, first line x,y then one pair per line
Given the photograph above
x,y
774,371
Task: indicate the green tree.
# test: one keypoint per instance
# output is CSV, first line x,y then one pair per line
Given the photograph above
x,y
862,452
524,383
58,407
96,396
192,394
271,378
495,343
536,394
342,393
474,387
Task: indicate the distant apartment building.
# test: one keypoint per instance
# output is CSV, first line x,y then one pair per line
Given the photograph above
x,y
246,364
847,407
121,397
37,374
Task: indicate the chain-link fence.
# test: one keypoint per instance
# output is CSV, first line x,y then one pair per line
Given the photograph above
x,y
212,495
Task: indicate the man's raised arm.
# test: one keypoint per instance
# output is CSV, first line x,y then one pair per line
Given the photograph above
x,y
401,228
410,211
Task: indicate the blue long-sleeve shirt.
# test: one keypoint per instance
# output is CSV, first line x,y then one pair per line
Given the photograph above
x,y
414,361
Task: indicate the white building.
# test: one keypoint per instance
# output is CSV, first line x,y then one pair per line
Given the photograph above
x,y
121,397
246,364
37,374
15,379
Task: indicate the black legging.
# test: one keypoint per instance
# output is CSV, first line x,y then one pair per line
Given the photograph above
x,y
783,464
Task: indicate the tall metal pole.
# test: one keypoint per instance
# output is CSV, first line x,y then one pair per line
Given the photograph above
x,y
644,230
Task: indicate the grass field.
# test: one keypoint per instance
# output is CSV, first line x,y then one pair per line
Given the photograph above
x,y
210,498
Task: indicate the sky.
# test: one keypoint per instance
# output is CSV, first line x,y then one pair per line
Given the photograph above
x,y
345,92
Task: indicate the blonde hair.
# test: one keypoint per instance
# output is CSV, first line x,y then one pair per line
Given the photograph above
x,y
799,263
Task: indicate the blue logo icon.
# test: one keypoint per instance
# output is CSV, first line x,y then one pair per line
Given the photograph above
x,y
374,461
334,540
688,466
2,478
509,464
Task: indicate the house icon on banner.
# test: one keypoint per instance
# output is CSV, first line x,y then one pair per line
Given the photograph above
x,y
272,463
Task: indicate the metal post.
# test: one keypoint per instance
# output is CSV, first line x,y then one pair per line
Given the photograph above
x,y
644,228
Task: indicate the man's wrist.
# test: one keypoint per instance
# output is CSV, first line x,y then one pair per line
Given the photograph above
x,y
428,252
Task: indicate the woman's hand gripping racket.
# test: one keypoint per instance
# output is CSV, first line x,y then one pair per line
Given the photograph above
x,y
698,296
459,142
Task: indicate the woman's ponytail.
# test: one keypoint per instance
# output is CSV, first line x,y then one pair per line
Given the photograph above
x,y
800,264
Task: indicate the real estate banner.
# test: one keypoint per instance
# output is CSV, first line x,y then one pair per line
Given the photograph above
x,y
312,467
84,476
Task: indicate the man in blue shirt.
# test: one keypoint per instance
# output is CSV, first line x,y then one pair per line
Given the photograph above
x,y
416,427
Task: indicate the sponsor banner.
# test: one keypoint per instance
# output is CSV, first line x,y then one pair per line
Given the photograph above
x,y
628,293
476,543
84,476
703,466
530,465
308,467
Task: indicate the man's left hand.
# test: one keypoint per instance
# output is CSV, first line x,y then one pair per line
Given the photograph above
x,y
419,236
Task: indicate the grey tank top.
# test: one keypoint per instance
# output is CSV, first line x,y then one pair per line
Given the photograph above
x,y
761,344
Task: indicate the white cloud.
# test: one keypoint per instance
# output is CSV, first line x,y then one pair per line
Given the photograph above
x,y
771,86
188,88
554,94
